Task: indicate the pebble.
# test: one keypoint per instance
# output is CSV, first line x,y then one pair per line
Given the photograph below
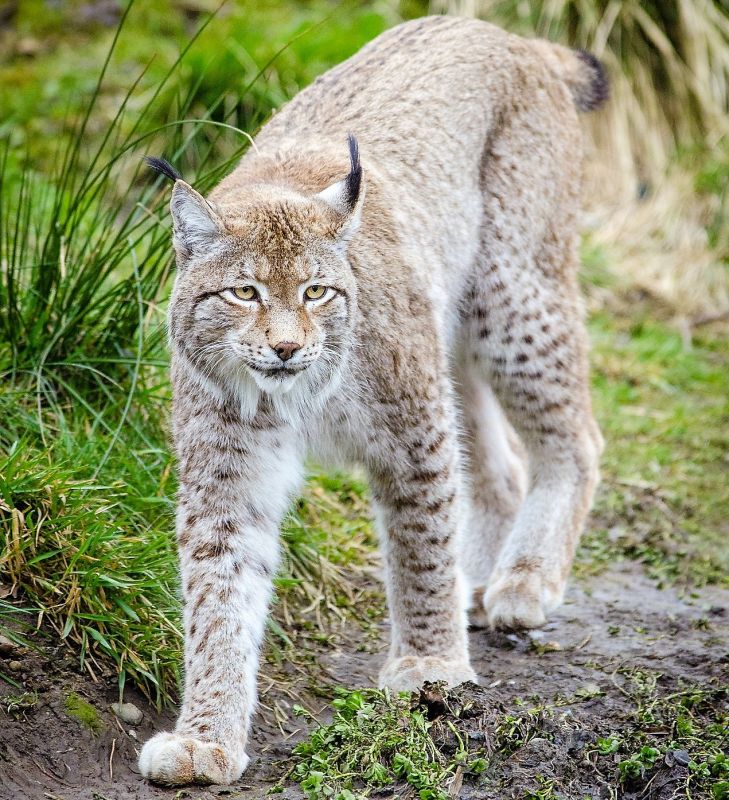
x,y
127,712
15,666
589,690
681,757
537,751
8,648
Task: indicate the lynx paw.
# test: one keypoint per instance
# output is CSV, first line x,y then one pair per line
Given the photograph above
x,y
174,760
477,616
519,599
410,672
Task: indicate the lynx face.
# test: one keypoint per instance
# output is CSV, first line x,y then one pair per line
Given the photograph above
x,y
264,293
273,315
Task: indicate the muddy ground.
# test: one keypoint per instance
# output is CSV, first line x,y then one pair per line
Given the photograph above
x,y
611,626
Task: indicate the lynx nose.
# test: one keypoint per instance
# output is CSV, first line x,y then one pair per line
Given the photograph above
x,y
284,350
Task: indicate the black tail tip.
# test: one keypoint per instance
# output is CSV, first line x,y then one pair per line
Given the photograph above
x,y
597,93
162,167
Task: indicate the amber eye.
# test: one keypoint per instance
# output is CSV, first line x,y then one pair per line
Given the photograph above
x,y
315,292
245,293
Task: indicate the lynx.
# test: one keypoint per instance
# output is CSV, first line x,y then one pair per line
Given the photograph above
x,y
411,305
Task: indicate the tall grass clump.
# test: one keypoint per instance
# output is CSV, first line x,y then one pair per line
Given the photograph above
x,y
85,489
665,127
86,479
86,261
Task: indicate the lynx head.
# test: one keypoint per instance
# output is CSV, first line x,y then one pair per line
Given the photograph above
x,y
264,295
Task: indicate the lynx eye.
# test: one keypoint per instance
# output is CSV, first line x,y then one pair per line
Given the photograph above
x,y
245,293
315,292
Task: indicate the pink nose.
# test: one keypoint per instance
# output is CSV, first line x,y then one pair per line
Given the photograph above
x,y
284,350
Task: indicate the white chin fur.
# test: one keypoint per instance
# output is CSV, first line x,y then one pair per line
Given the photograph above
x,y
275,386
293,398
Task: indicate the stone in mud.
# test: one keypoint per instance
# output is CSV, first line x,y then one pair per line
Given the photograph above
x,y
8,648
537,752
678,757
127,712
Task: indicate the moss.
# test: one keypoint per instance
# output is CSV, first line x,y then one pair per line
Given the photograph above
x,y
82,711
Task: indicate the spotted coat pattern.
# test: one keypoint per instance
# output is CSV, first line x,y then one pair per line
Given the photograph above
x,y
448,356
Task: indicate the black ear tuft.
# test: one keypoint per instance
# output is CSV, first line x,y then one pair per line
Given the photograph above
x,y
354,179
163,167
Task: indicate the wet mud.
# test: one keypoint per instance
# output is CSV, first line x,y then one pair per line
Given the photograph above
x,y
581,668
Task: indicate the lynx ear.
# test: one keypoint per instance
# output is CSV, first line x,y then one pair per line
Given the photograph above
x,y
346,197
196,224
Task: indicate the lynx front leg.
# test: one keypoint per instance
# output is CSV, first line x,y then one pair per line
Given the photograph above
x,y
235,483
418,501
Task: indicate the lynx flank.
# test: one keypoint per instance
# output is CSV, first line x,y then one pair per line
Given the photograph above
x,y
416,312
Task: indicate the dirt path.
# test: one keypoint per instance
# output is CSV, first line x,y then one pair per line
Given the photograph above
x,y
610,627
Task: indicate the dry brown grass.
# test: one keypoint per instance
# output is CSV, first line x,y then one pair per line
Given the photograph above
x,y
660,244
669,72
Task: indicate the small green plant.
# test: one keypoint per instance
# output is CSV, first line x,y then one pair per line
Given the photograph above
x,y
16,705
478,765
637,764
544,792
375,740
610,744
720,790
515,730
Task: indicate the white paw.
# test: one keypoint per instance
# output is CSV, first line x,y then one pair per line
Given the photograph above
x,y
173,760
410,672
517,599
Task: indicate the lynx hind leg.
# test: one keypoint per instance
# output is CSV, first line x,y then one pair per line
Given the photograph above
x,y
524,320
531,346
496,462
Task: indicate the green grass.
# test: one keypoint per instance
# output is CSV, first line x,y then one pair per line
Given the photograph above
x,y
248,62
664,412
374,741
419,745
96,554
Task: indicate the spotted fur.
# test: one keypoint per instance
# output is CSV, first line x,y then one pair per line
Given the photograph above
x,y
449,358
